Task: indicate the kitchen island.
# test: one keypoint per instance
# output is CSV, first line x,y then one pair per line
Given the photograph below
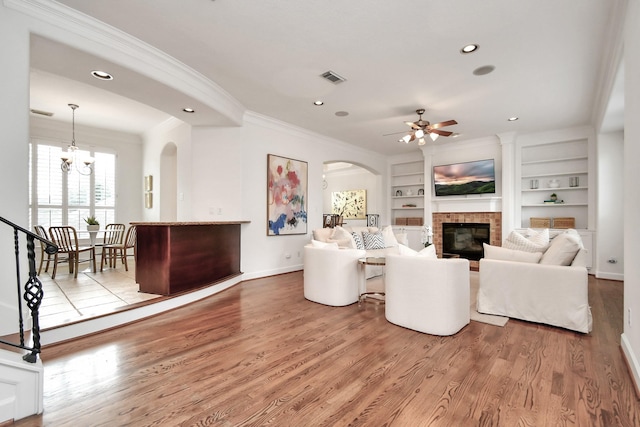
x,y
174,257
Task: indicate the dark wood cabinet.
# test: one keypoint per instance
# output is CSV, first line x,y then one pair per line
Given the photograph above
x,y
182,256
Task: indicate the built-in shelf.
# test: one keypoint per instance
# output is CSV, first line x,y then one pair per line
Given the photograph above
x,y
406,176
563,159
553,205
409,184
560,162
548,175
546,190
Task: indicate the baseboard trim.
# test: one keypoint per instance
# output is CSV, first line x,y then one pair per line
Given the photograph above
x,y
273,272
632,363
610,276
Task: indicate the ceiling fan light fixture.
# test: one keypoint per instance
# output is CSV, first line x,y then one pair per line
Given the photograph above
x,y
433,136
421,141
406,139
419,133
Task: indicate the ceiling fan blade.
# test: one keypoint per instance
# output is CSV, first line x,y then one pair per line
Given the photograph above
x,y
416,125
443,124
441,132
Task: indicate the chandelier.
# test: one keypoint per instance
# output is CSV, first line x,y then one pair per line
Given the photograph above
x,y
69,157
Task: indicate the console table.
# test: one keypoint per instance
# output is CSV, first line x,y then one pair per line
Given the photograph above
x,y
173,257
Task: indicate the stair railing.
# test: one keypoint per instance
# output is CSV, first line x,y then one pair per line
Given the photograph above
x,y
33,292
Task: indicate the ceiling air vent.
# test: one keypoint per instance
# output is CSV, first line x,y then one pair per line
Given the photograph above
x,y
333,77
42,113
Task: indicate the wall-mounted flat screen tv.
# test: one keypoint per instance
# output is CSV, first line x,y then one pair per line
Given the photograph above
x,y
460,179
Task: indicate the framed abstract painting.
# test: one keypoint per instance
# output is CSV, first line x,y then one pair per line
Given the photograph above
x,y
286,196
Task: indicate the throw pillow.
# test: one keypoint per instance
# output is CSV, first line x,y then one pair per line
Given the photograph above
x,y
428,252
373,240
563,249
322,234
388,236
519,242
539,237
505,254
323,245
357,238
405,250
343,238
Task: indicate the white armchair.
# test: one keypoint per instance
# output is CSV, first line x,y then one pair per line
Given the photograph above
x,y
331,276
426,294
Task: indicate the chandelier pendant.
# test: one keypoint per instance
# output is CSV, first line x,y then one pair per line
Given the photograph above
x,y
69,157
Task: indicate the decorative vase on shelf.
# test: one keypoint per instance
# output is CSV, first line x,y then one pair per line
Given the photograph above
x,y
409,192
553,183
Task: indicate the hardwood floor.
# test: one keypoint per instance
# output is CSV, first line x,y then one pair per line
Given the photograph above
x,y
260,354
68,299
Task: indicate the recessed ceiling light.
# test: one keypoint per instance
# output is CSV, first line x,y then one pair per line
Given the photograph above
x,y
188,110
101,75
485,69
512,119
469,48
342,113
318,103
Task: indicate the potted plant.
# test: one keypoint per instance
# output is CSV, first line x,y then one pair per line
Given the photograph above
x,y
92,223
553,197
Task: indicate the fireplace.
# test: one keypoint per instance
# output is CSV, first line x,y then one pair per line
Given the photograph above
x,y
465,239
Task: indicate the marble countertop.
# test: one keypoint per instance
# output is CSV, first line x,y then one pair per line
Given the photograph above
x,y
183,223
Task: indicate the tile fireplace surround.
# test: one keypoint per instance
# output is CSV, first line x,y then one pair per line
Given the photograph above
x,y
494,219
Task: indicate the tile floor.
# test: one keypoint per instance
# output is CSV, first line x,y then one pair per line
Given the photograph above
x,y
92,294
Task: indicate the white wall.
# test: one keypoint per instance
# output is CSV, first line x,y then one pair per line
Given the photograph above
x,y
229,167
14,122
610,191
175,132
631,335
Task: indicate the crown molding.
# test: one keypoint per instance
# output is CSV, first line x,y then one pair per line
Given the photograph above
x,y
129,52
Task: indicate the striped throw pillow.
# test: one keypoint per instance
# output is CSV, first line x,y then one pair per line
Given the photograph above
x,y
357,237
373,240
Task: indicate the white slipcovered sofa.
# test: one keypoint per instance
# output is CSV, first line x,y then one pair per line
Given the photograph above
x,y
427,294
537,282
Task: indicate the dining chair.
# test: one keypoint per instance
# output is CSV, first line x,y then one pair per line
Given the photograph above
x,y
41,232
66,238
113,234
120,249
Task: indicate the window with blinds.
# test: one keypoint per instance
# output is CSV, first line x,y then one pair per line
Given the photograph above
x,y
67,198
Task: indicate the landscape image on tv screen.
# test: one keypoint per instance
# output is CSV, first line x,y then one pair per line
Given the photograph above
x,y
477,177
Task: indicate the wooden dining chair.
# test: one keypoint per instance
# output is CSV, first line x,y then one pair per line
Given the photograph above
x,y
113,235
41,232
66,238
120,250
